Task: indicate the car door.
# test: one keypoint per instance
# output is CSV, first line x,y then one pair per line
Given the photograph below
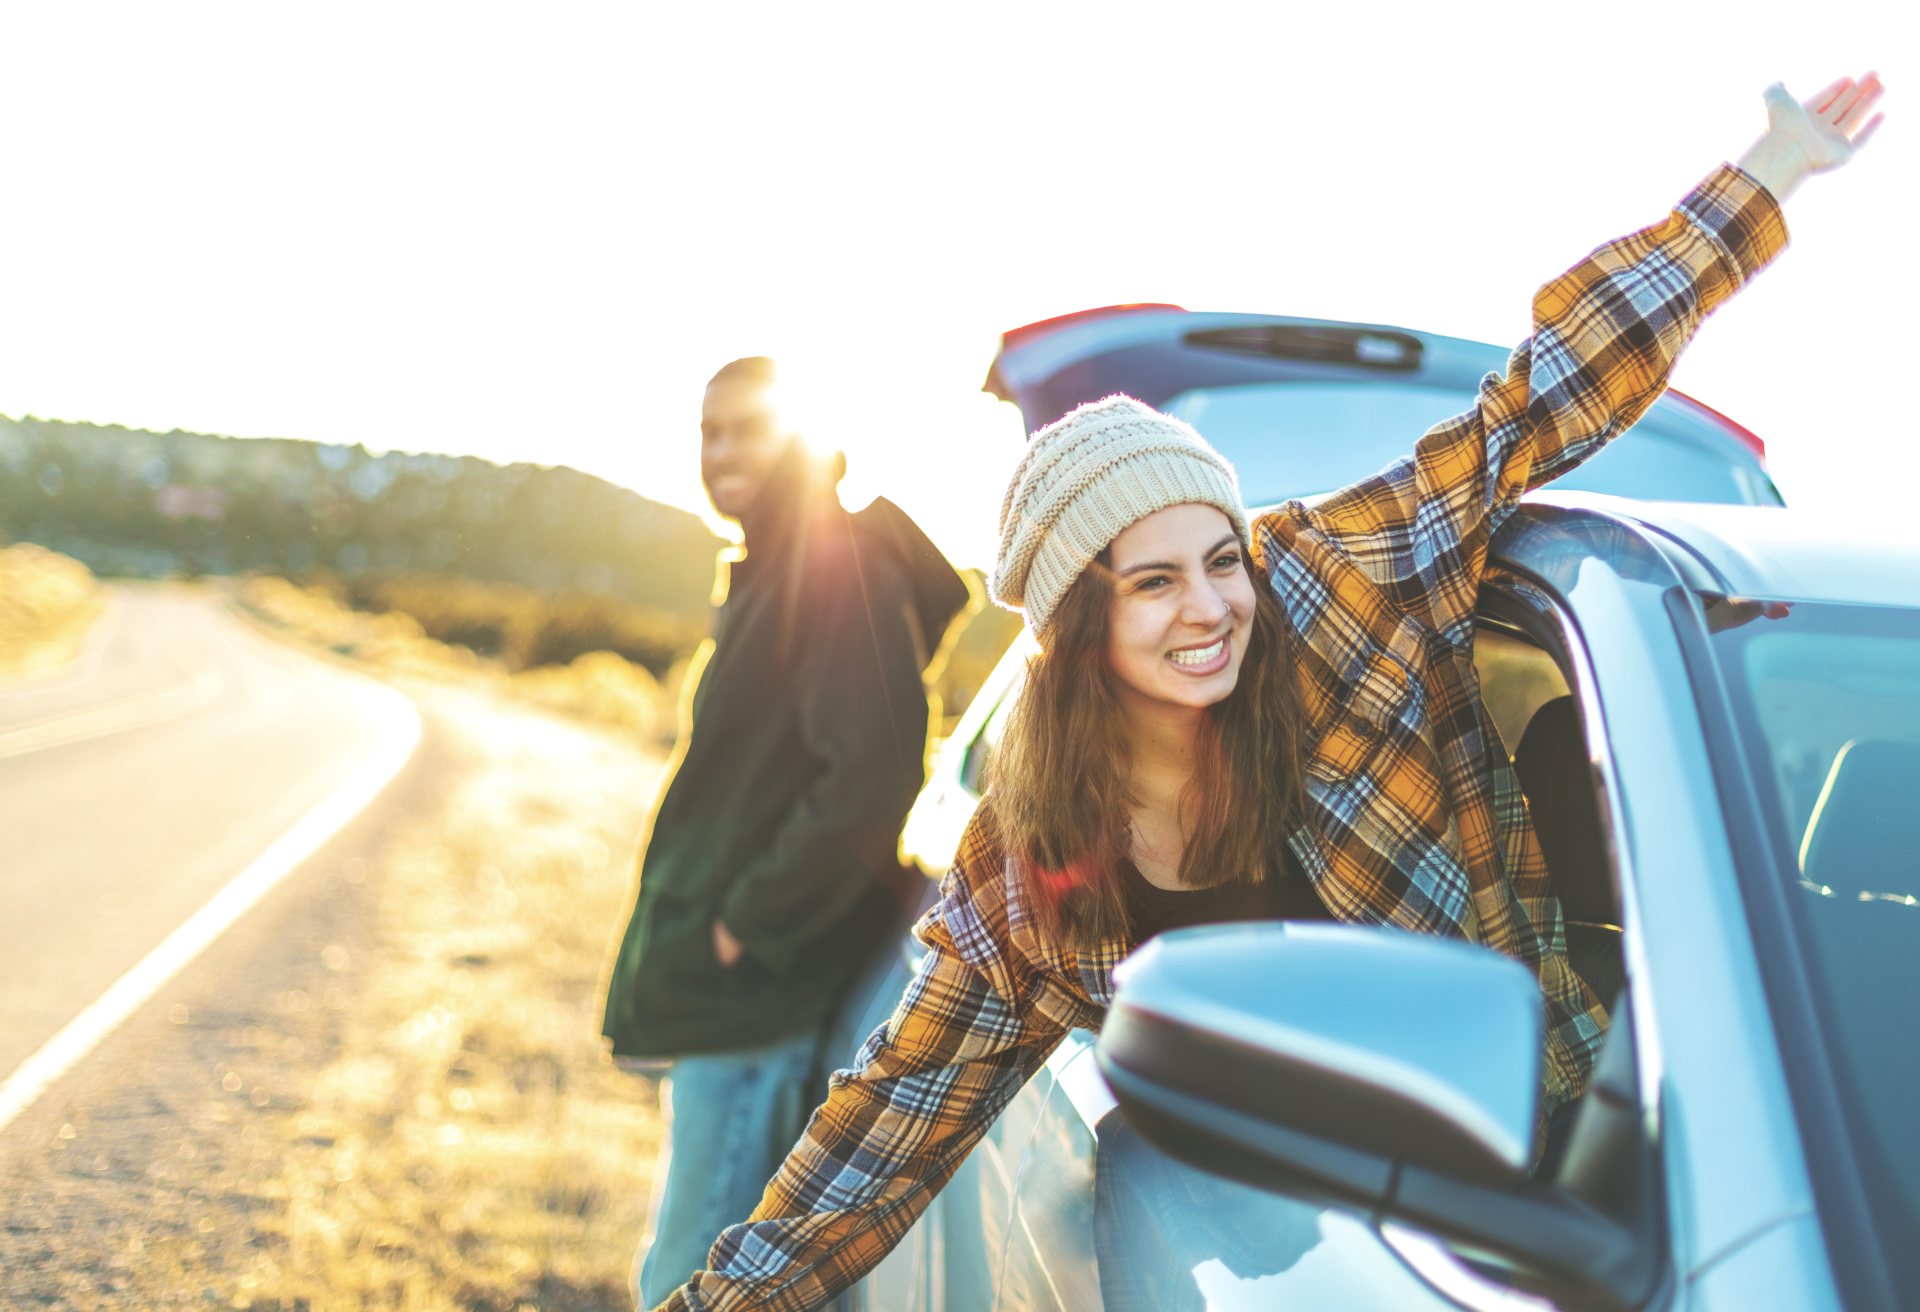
x,y
1064,1206
1626,600
1584,679
954,1257
1103,1219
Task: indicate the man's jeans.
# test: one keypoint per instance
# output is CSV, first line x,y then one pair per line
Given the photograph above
x,y
733,1117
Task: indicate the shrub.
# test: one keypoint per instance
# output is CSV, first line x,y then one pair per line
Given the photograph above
x,y
46,603
517,626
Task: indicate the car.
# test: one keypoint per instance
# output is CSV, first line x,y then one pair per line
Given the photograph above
x,y
1735,1175
1714,712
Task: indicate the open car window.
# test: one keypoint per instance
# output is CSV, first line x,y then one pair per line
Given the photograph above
x,y
1532,704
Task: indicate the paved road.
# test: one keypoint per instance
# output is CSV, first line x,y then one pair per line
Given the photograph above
x,y
135,785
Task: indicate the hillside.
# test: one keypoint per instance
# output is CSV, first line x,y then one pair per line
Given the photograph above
x,y
129,502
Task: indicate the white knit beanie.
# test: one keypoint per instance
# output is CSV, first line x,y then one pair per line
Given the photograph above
x,y
1085,478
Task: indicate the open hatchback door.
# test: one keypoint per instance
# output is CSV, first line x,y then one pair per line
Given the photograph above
x,y
1303,407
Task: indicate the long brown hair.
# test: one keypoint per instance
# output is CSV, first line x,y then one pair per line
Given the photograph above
x,y
1060,776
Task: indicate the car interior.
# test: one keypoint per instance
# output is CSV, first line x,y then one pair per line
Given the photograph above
x,y
1850,853
1534,710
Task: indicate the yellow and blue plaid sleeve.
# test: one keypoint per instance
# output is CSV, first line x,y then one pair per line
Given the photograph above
x,y
972,1027
1605,338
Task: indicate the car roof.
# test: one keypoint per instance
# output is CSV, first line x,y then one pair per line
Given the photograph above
x,y
1758,551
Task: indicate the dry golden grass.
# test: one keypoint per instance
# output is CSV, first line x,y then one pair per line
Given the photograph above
x,y
47,602
599,687
471,1146
519,626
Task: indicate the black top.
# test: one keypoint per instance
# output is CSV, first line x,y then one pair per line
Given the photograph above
x,y
783,818
1283,895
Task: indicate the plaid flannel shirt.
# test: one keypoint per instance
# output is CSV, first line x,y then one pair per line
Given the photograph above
x,y
1415,818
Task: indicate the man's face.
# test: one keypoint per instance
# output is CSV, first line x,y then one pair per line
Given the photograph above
x,y
742,436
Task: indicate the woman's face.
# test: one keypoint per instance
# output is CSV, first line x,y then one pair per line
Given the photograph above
x,y
1182,608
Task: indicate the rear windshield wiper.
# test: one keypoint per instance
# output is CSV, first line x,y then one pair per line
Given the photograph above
x,y
1367,348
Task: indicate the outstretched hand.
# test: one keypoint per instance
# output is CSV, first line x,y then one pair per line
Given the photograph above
x,y
1811,136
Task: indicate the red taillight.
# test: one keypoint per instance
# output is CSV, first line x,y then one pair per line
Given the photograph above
x,y
1746,435
1026,332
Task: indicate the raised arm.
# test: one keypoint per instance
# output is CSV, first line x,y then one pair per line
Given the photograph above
x,y
966,1036
1606,335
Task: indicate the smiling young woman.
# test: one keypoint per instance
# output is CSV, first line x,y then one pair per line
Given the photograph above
x,y
1142,747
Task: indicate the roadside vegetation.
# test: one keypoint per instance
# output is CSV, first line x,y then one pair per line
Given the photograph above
x,y
47,603
469,1144
597,686
518,626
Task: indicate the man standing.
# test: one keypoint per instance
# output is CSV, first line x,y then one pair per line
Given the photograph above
x,y
771,876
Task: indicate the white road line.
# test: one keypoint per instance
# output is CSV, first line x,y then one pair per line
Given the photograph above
x,y
98,721
399,736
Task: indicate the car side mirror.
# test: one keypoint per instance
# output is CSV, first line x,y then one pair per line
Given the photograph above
x,y
1394,1073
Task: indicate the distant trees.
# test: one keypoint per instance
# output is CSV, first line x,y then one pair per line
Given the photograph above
x,y
131,502
572,558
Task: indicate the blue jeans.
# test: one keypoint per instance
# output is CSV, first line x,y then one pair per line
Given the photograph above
x,y
733,1117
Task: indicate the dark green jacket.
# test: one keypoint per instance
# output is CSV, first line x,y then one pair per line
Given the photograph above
x,y
806,748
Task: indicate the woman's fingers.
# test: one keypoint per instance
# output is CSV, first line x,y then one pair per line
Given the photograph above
x,y
1842,103
1857,112
1861,137
1827,95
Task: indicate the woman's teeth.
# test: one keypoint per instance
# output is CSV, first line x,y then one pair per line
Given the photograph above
x,y
1198,655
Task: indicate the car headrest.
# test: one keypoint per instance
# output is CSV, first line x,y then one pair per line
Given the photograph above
x,y
1863,838
1557,778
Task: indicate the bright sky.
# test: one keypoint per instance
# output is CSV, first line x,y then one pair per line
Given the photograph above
x,y
530,232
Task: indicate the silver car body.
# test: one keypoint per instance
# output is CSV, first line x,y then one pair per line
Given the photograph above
x,y
1029,1221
